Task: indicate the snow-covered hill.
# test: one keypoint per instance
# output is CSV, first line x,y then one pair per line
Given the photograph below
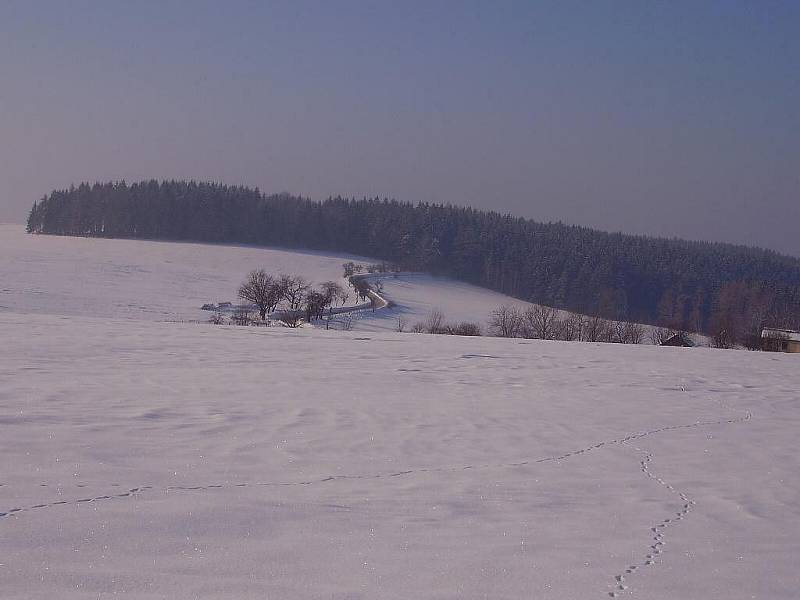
x,y
137,279
169,460
161,281
414,296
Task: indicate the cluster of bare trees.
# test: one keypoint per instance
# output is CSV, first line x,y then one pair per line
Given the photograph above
x,y
435,323
290,296
294,300
535,322
545,323
742,310
737,312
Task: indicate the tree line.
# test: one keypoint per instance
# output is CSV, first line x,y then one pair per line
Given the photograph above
x,y
720,289
546,323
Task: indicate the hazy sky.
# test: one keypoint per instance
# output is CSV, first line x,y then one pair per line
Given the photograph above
x,y
678,118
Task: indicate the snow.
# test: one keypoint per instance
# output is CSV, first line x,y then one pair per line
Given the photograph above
x,y
168,281
416,295
182,460
138,279
787,334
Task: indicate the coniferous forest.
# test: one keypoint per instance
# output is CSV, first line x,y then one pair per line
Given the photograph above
x,y
699,286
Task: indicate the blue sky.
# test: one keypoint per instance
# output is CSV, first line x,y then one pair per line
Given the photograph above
x,y
676,119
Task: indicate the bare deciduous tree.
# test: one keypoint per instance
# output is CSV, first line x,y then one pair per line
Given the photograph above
x,y
539,322
332,291
633,333
256,290
571,328
315,304
623,332
618,332
505,321
435,321
597,329
292,318
294,290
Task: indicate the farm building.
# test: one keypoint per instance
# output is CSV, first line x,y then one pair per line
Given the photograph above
x,y
679,339
780,340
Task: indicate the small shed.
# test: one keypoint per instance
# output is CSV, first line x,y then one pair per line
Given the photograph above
x,y
780,340
680,340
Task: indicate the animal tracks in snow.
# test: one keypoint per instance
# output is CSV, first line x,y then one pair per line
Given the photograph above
x,y
385,475
131,492
657,540
658,530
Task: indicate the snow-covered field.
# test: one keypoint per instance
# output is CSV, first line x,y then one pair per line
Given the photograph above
x,y
135,279
415,295
163,281
179,460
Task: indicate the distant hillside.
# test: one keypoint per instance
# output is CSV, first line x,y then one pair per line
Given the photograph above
x,y
693,285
